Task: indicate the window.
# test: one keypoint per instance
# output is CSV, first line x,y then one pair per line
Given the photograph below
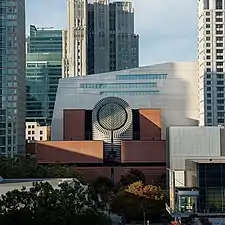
x,y
219,69
219,4
207,44
219,38
29,132
219,51
219,44
208,76
33,126
207,38
220,95
208,69
219,19
206,4
220,101
41,132
141,77
220,120
208,63
33,132
207,19
208,32
41,138
219,13
208,82
220,82
220,107
207,25
219,57
219,76
219,32
208,51
208,57
208,88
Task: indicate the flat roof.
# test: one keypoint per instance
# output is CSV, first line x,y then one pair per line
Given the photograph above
x,y
12,184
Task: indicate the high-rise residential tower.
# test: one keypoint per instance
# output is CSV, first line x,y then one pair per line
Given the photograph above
x,y
211,64
100,37
12,77
43,71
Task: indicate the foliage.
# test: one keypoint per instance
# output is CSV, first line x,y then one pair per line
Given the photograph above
x,y
138,199
132,176
104,187
42,204
22,167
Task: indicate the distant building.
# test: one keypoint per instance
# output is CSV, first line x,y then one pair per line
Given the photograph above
x,y
99,38
211,67
35,132
43,71
12,77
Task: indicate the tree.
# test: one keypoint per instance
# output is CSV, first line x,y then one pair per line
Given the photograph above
x,y
69,204
21,167
137,199
132,176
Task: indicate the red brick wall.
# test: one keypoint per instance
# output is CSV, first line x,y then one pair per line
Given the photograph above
x,y
74,124
143,151
69,152
150,124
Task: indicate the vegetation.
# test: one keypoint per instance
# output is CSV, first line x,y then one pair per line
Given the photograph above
x,y
132,197
74,204
28,168
138,199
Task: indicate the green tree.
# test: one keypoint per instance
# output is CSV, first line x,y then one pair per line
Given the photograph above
x,y
137,199
73,204
21,167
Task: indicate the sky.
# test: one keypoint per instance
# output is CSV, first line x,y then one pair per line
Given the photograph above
x,y
167,29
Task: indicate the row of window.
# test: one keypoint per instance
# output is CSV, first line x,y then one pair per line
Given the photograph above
x,y
111,93
119,85
141,77
33,132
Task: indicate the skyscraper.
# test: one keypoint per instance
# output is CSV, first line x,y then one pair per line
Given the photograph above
x,y
211,26
12,77
43,71
100,38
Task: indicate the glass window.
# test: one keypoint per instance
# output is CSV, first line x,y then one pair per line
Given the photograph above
x,y
219,4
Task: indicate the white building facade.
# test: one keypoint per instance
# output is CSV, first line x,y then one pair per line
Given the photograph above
x,y
12,78
211,47
171,87
35,132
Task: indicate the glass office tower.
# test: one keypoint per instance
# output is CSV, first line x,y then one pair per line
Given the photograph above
x,y
43,72
12,77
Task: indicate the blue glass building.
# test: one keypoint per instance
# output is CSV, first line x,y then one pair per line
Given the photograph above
x,y
43,71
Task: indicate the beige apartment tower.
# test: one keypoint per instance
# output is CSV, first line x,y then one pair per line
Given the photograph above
x,y
99,37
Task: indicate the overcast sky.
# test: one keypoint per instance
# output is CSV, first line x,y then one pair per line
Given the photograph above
x,y
167,28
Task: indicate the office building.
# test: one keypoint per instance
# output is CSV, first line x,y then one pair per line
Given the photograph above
x,y
211,70
44,40
100,38
12,77
43,71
